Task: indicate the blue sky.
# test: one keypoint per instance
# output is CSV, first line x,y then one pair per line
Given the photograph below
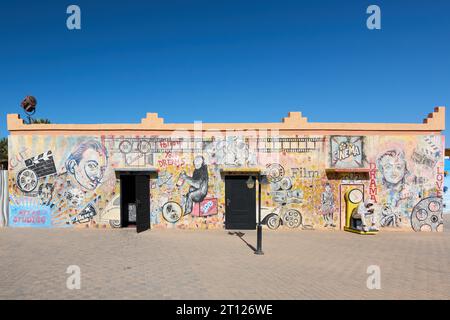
x,y
225,61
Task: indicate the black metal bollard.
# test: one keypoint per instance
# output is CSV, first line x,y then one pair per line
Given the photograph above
x,y
259,239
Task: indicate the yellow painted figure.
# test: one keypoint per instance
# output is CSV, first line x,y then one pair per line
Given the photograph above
x,y
354,199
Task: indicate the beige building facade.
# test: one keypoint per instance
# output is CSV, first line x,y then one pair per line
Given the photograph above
x,y
211,175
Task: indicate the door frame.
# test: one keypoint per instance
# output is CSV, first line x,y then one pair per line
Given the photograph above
x,y
253,190
151,173
124,217
143,210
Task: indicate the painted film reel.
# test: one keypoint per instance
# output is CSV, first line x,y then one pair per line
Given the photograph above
x,y
27,180
125,146
275,172
427,215
172,212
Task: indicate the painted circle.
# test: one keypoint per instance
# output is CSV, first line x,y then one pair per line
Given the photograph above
x,y
125,146
27,180
355,196
292,218
144,146
286,183
172,211
275,172
273,222
114,223
427,214
434,218
434,206
425,227
421,214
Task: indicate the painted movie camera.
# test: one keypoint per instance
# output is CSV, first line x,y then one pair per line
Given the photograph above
x,y
283,195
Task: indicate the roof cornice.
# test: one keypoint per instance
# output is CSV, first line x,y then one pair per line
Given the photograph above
x,y
435,122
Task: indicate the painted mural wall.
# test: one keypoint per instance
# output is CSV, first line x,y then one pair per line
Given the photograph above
x,y
4,212
446,197
70,181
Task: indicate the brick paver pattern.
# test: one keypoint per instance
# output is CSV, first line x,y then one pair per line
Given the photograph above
x,y
213,264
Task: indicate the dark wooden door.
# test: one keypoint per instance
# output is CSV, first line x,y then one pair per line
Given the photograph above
x,y
240,203
142,203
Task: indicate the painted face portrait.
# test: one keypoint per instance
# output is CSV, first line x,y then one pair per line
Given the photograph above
x,y
198,162
393,168
88,164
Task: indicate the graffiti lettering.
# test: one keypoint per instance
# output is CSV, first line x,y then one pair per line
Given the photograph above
x,y
347,150
439,181
171,162
351,176
23,216
421,158
27,216
373,182
205,208
304,173
167,144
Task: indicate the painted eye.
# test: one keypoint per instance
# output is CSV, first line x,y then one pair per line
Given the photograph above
x,y
92,166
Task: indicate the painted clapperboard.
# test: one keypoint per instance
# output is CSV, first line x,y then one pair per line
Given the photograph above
x,y
36,167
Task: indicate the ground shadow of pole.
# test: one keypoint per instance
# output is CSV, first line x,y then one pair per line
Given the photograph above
x,y
241,235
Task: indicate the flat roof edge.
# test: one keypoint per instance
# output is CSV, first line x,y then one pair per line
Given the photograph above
x,y
434,122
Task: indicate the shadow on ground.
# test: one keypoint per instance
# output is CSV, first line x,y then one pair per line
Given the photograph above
x,y
241,235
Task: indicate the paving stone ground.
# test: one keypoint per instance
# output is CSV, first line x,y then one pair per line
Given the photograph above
x,y
181,264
